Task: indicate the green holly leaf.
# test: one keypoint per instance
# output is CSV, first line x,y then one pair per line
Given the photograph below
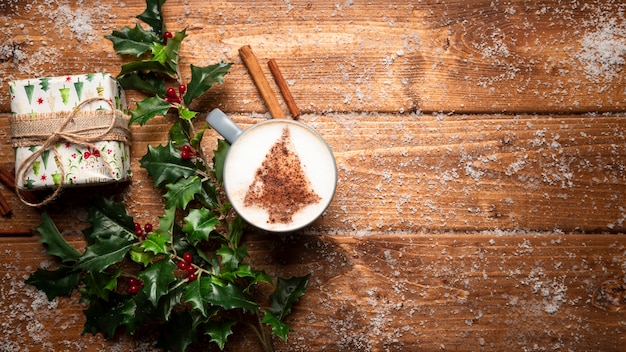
x,y
287,292
100,284
109,219
229,296
168,54
147,109
178,332
206,290
279,328
165,166
203,78
55,243
245,271
180,132
179,239
155,243
147,66
258,276
145,313
219,331
169,301
235,230
231,258
185,113
166,223
105,317
218,159
209,196
157,278
141,256
54,283
196,292
104,253
195,141
132,41
199,224
109,237
146,82
183,191
153,16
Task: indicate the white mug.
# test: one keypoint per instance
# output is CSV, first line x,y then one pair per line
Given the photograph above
x,y
279,175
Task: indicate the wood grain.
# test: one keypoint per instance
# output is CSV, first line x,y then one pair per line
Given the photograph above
x,y
453,56
447,173
398,293
481,202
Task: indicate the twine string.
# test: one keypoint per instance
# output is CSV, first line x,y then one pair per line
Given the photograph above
x,y
80,137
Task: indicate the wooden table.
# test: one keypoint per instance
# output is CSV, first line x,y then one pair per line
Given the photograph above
x,y
481,149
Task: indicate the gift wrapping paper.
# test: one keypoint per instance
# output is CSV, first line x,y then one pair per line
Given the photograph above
x,y
103,162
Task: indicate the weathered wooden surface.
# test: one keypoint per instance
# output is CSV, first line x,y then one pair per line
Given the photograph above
x,y
414,174
401,293
346,56
482,166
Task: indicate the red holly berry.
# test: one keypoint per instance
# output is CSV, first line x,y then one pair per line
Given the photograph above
x,y
186,147
166,36
172,100
191,269
171,92
147,228
138,230
182,89
133,289
188,257
185,155
134,282
192,277
182,265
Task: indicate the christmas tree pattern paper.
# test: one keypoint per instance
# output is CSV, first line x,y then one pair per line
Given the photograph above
x,y
108,162
53,94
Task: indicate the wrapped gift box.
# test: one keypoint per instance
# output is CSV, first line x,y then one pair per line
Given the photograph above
x,y
42,106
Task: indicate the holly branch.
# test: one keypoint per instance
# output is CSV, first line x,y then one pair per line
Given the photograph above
x,y
189,276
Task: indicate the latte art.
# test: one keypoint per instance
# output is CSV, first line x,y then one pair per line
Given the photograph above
x,y
280,185
280,175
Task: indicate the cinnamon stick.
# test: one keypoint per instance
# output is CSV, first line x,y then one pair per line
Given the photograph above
x,y
284,88
7,177
5,208
249,59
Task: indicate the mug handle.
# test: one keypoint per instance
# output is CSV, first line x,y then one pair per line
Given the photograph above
x,y
224,125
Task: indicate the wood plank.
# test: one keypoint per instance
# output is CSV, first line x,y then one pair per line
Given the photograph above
x,y
481,153
467,57
435,173
387,293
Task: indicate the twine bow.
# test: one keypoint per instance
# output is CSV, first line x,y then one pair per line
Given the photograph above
x,y
84,136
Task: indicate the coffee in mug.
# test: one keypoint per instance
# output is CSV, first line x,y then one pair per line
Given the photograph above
x,y
279,174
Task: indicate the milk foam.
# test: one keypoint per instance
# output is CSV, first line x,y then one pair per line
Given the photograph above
x,y
249,152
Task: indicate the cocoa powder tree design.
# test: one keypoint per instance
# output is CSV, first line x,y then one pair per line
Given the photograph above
x,y
280,185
